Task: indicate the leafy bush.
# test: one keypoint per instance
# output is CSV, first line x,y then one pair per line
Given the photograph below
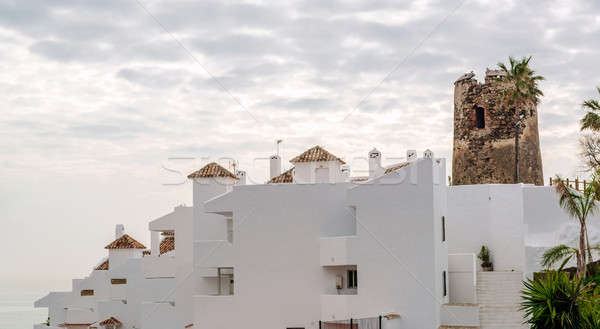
x,y
484,256
556,302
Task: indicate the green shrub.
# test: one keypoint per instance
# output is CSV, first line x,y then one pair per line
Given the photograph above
x,y
557,302
484,256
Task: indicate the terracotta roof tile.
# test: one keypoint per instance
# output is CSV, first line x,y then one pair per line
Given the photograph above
x,y
212,169
396,167
286,177
125,242
103,266
167,244
316,153
189,325
110,320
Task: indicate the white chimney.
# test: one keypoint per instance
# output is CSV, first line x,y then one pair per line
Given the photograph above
x,y
345,173
241,175
411,155
375,168
119,229
275,166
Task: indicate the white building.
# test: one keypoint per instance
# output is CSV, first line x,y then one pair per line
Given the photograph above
x,y
316,248
114,293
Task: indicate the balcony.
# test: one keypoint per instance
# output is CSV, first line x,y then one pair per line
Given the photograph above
x,y
213,253
44,326
337,251
163,266
338,307
158,315
80,315
206,306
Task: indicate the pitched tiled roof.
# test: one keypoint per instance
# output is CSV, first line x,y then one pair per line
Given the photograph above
x,y
125,242
212,169
167,244
286,177
396,167
110,320
316,153
103,266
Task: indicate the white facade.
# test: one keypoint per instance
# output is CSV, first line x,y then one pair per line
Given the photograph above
x,y
398,249
121,291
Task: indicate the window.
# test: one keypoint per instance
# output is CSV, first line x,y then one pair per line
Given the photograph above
x,y
444,283
352,279
225,277
87,292
118,281
479,117
443,228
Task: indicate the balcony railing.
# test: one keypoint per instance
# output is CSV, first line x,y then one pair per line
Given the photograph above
x,y
163,266
337,251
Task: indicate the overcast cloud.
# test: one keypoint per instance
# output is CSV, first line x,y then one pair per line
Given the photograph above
x,y
97,98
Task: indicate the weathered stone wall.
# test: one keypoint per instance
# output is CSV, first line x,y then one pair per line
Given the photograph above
x,y
486,155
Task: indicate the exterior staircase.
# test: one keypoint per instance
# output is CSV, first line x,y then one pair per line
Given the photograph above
x,y
498,295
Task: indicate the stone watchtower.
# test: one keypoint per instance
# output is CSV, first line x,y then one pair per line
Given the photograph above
x,y
484,135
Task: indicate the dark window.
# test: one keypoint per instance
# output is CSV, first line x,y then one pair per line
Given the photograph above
x,y
444,283
352,279
443,228
87,292
118,281
480,117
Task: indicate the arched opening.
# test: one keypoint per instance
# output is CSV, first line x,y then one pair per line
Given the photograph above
x,y
479,117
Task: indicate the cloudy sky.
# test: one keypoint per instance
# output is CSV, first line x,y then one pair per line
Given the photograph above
x,y
101,100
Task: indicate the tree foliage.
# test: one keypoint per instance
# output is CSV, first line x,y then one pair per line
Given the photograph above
x,y
557,302
522,80
591,120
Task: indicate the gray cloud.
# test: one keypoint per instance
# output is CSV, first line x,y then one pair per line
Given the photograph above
x,y
98,88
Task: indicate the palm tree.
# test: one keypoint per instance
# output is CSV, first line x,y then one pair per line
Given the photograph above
x,y
579,205
592,119
522,80
522,91
557,302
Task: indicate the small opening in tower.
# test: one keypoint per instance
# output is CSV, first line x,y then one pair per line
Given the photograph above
x,y
479,117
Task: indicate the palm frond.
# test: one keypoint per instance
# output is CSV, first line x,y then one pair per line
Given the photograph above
x,y
569,200
590,121
556,254
523,81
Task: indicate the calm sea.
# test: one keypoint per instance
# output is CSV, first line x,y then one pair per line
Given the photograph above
x,y
17,312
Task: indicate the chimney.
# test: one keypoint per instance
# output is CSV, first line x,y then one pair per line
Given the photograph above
x,y
241,175
375,168
411,155
275,166
345,173
119,229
